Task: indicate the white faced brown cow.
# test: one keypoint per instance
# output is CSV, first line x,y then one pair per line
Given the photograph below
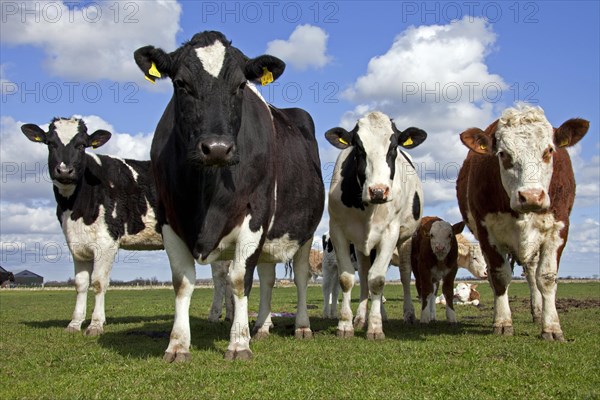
x,y
515,191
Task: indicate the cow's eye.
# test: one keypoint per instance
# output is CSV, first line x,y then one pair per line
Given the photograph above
x,y
240,88
181,85
506,160
547,156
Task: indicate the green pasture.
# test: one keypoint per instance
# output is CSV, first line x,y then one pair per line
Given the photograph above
x,y
38,360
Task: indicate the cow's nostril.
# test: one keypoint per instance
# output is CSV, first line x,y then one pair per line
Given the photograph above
x,y
205,149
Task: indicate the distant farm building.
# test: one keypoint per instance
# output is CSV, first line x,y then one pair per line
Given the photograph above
x,y
28,278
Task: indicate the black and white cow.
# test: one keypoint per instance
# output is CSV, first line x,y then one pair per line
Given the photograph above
x,y
375,202
103,203
237,178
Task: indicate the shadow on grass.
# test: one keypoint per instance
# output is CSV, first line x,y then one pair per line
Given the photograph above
x,y
62,323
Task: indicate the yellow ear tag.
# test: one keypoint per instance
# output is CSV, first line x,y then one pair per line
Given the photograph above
x,y
94,144
564,142
153,71
38,138
342,141
482,146
408,142
151,80
267,77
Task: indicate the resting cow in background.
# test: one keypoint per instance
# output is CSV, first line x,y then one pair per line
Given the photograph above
x,y
375,203
237,179
103,203
434,252
515,191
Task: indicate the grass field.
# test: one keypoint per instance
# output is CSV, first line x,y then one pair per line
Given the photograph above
x,y
38,360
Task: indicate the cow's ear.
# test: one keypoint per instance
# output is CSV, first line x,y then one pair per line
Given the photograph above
x,y
98,138
410,137
264,69
476,140
153,62
34,133
458,227
570,132
339,137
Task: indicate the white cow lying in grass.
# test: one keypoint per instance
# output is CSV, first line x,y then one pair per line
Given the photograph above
x,y
464,293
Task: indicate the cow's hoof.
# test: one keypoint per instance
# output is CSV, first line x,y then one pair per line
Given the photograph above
x,y
375,335
231,355
260,335
553,336
410,318
506,330
178,357
94,331
345,334
72,329
303,333
359,323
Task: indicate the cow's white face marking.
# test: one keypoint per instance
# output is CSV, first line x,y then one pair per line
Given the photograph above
x,y
212,57
66,129
440,239
375,131
525,142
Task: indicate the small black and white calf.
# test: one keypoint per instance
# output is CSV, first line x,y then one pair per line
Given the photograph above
x,y
375,203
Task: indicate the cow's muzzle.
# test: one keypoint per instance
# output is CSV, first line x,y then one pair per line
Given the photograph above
x,y
64,174
531,200
378,194
217,152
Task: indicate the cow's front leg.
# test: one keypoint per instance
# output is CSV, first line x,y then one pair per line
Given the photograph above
x,y
427,292
219,272
103,262
184,278
247,252
376,284
448,290
408,308
301,277
546,279
346,278
364,264
266,275
535,296
83,269
500,275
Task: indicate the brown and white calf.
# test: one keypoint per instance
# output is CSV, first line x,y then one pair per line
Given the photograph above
x,y
469,257
515,191
433,258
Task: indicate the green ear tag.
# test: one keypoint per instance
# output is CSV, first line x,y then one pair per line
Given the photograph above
x,y
408,142
267,77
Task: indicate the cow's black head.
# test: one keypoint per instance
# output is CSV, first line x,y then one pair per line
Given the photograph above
x,y
211,81
67,140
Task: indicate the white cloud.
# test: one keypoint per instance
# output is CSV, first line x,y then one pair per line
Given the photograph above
x,y
95,41
6,86
584,237
435,78
587,177
305,48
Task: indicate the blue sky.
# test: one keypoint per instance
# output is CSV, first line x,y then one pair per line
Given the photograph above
x,y
442,66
